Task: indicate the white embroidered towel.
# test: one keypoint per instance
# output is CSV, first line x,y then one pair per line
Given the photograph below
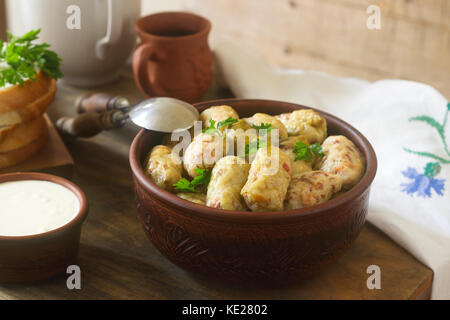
x,y
407,124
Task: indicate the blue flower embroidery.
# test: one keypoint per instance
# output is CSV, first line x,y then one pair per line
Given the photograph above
x,y
421,184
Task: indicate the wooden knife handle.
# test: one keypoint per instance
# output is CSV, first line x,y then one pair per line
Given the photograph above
x,y
100,102
89,124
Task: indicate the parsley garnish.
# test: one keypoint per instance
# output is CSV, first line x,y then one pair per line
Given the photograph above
x,y
252,147
265,127
227,122
306,153
317,150
20,59
202,178
213,128
184,185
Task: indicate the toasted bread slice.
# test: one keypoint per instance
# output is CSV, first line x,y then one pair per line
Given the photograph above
x,y
21,104
19,135
13,157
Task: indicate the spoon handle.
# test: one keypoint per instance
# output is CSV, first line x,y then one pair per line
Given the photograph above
x,y
89,124
100,102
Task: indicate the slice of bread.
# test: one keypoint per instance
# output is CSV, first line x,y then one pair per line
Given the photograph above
x,y
21,104
17,136
13,157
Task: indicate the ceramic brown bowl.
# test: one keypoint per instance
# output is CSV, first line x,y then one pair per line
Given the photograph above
x,y
35,258
256,246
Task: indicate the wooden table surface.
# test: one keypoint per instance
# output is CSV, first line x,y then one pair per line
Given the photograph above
x,y
117,261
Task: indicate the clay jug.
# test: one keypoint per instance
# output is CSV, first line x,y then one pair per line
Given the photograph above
x,y
173,58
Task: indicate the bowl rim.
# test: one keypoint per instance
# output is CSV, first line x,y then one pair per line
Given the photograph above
x,y
256,216
139,26
79,218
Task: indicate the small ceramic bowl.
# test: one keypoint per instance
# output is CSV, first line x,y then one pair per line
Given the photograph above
x,y
35,258
257,246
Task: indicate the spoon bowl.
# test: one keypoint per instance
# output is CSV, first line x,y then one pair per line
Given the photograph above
x,y
102,111
163,114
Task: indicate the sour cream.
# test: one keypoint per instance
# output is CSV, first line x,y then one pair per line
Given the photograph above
x,y
32,207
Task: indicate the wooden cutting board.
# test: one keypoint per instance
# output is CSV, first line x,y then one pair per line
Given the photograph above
x,y
53,158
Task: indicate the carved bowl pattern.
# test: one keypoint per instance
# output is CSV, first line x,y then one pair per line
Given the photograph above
x,y
252,246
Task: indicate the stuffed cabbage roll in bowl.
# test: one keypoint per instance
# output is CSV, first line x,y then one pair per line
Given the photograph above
x,y
292,200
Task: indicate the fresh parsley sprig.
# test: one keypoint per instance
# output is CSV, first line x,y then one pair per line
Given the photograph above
x,y
306,153
184,185
21,59
202,179
213,128
264,127
252,147
227,122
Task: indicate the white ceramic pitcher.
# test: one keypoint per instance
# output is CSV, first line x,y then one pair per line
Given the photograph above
x,y
93,37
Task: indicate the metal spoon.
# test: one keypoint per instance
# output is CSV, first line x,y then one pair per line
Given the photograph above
x,y
163,114
102,111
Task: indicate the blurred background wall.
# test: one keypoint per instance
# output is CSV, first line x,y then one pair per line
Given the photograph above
x,y
332,36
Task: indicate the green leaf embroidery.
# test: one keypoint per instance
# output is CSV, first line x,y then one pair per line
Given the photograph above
x,y
432,169
428,155
439,127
